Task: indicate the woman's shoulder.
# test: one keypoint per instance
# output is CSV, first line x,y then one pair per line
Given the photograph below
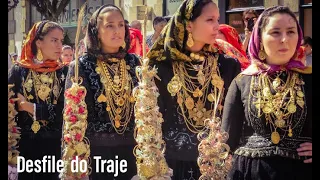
x,y
132,59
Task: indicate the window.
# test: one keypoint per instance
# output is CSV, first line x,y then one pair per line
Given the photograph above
x,y
244,3
305,18
307,22
307,1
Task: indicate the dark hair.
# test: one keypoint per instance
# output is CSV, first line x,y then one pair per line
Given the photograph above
x,y
197,9
307,40
275,10
126,21
249,11
43,29
91,37
167,18
158,20
105,9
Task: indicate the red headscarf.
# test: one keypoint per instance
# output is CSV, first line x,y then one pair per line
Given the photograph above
x,y
134,34
27,56
232,37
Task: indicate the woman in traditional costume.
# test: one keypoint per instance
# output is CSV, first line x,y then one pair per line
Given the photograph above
x,y
195,71
108,74
268,108
39,80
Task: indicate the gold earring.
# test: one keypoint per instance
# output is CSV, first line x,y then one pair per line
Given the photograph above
x,y
124,45
39,55
262,54
190,42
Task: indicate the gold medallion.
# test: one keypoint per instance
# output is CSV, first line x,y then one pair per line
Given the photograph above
x,y
290,132
174,85
30,97
118,110
276,82
292,108
275,137
300,102
189,103
280,123
266,92
120,101
211,97
35,126
102,98
98,70
132,99
267,109
300,94
116,79
43,92
117,124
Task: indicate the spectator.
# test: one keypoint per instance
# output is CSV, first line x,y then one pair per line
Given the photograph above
x,y
307,44
158,25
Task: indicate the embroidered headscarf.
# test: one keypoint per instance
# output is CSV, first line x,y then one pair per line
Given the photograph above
x,y
173,38
27,53
232,37
91,40
296,63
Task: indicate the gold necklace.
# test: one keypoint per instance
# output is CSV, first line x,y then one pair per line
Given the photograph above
x,y
116,93
278,102
193,92
43,84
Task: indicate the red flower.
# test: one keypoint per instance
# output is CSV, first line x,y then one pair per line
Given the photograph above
x,y
80,93
11,101
81,109
68,109
67,138
14,130
73,119
78,136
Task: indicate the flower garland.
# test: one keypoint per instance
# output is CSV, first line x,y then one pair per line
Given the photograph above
x,y
13,130
150,148
75,144
214,160
13,136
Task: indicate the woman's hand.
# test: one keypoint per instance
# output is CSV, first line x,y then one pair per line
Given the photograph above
x,y
305,149
24,105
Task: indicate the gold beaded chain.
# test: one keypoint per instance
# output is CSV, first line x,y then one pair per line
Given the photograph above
x,y
116,93
278,101
193,92
43,84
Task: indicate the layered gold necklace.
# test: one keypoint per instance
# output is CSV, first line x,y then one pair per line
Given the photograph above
x,y
193,91
278,101
116,92
43,84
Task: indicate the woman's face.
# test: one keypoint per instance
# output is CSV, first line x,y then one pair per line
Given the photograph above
x,y
280,39
51,45
158,27
111,31
67,55
205,28
221,36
